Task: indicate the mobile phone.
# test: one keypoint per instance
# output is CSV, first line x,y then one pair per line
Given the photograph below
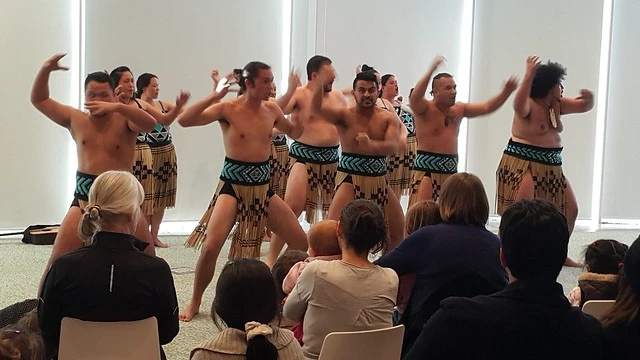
x,y
237,73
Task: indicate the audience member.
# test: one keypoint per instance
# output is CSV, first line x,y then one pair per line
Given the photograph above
x,y
603,260
531,318
350,294
458,257
323,245
110,280
420,214
19,343
246,301
622,323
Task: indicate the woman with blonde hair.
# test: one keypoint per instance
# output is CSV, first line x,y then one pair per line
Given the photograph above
x,y
458,257
111,279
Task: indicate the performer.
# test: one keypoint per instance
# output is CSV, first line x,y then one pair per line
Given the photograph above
x,y
531,166
400,164
437,124
163,152
368,135
105,139
243,193
314,156
143,159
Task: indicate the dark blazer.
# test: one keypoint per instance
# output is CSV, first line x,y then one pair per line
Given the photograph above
x,y
111,280
524,321
624,340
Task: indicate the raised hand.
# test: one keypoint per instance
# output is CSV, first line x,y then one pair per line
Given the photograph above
x,y
99,108
437,61
294,79
511,84
52,63
532,64
182,98
358,69
586,96
222,89
215,76
121,95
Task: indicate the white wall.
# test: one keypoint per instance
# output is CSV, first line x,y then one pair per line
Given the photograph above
x,y
181,44
508,31
399,37
621,198
34,186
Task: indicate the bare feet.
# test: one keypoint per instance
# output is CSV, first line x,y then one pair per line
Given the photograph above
x,y
158,243
189,312
572,263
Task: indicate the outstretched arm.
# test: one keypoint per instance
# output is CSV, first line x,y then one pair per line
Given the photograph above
x,y
174,111
493,104
579,104
417,102
207,110
521,104
59,113
286,102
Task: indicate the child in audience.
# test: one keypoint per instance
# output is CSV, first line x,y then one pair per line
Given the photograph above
x,y
421,214
246,301
602,259
279,271
323,245
18,342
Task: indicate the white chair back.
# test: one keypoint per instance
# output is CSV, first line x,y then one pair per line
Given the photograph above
x,y
380,344
109,340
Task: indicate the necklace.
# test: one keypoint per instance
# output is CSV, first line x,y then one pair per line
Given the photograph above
x,y
447,118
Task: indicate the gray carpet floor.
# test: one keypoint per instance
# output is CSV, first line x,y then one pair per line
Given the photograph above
x,y
21,266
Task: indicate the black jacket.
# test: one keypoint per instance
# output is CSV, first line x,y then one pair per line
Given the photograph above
x,y
111,280
524,321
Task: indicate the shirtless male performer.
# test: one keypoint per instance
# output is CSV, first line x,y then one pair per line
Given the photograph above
x,y
314,156
437,124
368,135
243,193
535,147
105,139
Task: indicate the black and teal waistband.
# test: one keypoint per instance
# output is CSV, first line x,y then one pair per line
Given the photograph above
x,y
157,144
245,173
362,164
435,162
314,154
547,156
83,185
279,140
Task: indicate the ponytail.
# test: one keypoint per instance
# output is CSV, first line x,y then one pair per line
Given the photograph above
x,y
90,223
258,347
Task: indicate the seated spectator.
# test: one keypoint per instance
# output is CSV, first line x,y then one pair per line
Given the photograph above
x,y
246,301
110,280
531,318
351,294
458,257
622,323
279,271
323,245
20,343
421,214
603,260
